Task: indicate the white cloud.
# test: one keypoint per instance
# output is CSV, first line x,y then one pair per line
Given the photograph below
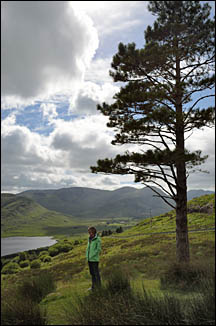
x,y
110,16
51,57
31,160
90,95
46,47
203,140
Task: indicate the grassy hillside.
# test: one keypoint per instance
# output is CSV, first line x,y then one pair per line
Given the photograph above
x,y
23,216
146,257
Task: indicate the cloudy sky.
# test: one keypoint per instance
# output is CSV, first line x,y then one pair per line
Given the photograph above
x,y
56,57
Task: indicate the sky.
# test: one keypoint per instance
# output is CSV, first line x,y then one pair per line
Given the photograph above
x,y
56,57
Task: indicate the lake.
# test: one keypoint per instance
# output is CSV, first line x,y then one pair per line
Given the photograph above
x,y
13,245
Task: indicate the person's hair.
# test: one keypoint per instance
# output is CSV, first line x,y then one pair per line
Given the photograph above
x,y
92,228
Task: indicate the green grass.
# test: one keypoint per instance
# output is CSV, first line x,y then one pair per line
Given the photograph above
x,y
148,261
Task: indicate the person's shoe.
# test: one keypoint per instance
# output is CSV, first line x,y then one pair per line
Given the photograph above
x,y
90,289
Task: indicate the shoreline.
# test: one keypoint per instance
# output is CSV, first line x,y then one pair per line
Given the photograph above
x,y
36,248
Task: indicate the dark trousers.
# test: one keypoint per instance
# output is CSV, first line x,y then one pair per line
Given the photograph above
x,y
94,271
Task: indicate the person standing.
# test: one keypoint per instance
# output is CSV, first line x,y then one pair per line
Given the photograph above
x,y
92,254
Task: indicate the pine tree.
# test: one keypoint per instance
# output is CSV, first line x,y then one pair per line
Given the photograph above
x,y
157,108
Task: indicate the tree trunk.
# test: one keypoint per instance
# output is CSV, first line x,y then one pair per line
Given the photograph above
x,y
182,242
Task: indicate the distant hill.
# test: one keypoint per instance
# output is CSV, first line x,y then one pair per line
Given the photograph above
x,y
94,203
22,213
198,193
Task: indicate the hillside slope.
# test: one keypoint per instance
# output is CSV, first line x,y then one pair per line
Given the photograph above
x,y
145,259
95,203
21,215
201,215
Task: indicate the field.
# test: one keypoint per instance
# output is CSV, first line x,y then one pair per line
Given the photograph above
x,y
147,260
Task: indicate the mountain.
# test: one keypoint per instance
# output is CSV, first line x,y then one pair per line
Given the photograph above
x,y
62,206
198,193
20,214
94,203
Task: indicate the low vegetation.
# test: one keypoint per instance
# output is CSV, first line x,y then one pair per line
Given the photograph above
x,y
141,282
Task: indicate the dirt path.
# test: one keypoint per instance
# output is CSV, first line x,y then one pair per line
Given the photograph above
x,y
136,235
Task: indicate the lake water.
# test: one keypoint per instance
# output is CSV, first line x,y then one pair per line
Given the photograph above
x,y
16,244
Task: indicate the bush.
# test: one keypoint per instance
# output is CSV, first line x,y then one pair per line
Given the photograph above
x,y
43,253
5,261
46,259
16,259
35,264
63,247
53,251
32,255
24,263
22,256
38,287
10,268
119,230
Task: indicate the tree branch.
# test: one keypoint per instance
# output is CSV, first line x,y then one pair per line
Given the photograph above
x,y
201,98
159,195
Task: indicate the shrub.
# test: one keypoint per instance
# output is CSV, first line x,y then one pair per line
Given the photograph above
x,y
63,247
10,268
119,230
53,251
46,259
22,256
35,263
32,255
43,253
5,261
24,263
16,259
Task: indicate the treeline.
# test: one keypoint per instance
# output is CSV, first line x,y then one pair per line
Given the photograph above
x,y
108,232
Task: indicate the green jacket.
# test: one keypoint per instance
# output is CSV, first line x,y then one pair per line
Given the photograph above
x,y
93,249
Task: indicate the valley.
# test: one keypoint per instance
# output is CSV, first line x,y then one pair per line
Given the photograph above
x,y
69,211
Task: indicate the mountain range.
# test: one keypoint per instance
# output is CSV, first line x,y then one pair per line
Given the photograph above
x,y
48,212
94,203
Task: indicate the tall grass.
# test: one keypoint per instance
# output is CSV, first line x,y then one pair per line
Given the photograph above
x,y
20,304
111,305
201,307
185,276
37,287
22,312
